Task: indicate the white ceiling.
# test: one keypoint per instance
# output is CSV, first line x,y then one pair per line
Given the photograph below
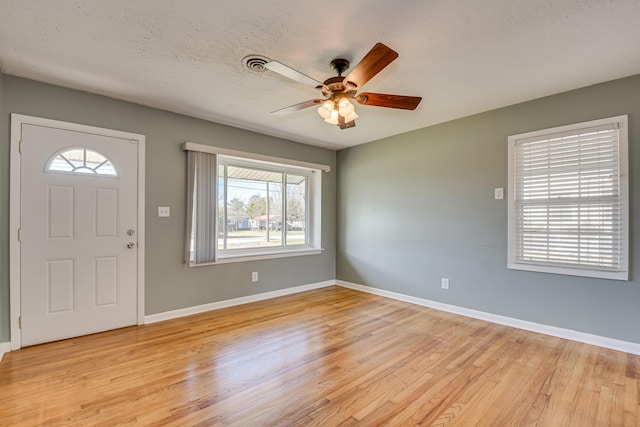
x,y
461,56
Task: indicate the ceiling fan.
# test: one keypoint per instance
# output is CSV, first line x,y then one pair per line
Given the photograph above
x,y
336,108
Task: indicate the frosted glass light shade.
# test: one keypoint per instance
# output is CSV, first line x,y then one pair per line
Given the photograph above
x,y
333,119
326,109
345,108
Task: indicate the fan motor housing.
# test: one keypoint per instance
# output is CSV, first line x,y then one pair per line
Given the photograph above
x,y
336,87
335,83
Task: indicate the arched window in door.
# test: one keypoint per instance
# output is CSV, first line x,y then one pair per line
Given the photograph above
x,y
81,160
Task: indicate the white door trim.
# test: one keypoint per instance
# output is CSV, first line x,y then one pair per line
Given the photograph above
x,y
17,120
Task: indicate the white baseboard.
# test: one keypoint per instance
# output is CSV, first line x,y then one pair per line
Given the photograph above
x,y
625,346
5,347
173,314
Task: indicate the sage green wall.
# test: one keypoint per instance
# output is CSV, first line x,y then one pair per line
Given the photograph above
x,y
420,206
169,283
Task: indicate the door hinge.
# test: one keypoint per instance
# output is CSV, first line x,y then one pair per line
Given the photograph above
x,y
20,147
19,322
19,234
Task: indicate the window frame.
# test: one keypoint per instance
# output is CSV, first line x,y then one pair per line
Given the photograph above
x,y
266,167
623,199
313,223
49,168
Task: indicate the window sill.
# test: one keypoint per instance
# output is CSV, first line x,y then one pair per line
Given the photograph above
x,y
256,256
598,274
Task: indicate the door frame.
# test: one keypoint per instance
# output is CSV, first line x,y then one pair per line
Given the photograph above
x,y
17,120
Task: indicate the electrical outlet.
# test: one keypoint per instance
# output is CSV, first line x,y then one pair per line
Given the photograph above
x,y
444,283
498,193
254,276
164,211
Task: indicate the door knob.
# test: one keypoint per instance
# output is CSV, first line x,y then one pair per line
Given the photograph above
x,y
131,245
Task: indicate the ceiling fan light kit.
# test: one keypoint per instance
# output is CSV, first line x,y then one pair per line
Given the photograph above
x,y
330,111
339,92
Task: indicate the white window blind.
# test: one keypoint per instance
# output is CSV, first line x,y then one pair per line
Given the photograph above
x,y
568,208
201,212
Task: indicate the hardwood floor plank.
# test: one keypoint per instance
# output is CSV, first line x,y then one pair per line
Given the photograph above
x,y
326,357
630,405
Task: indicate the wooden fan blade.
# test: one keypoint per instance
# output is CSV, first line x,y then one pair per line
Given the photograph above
x,y
284,70
389,101
298,107
378,57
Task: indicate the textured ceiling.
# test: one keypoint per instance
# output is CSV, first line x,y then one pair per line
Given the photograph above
x,y
462,57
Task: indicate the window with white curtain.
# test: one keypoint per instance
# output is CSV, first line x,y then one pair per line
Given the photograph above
x,y
568,200
244,206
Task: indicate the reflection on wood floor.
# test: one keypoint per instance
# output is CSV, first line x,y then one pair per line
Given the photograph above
x,y
327,357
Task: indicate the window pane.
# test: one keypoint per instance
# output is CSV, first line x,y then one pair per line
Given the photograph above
x,y
221,204
254,206
75,157
296,209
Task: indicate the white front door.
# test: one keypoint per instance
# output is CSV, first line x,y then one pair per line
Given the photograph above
x,y
78,233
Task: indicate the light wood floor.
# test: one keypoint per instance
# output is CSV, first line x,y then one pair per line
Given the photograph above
x,y
327,357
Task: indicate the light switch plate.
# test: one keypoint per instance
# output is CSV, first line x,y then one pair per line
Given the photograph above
x,y
164,211
498,193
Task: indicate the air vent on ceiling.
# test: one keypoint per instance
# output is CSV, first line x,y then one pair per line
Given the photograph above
x,y
255,63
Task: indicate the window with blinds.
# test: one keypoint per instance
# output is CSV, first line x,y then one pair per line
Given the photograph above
x,y
568,200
